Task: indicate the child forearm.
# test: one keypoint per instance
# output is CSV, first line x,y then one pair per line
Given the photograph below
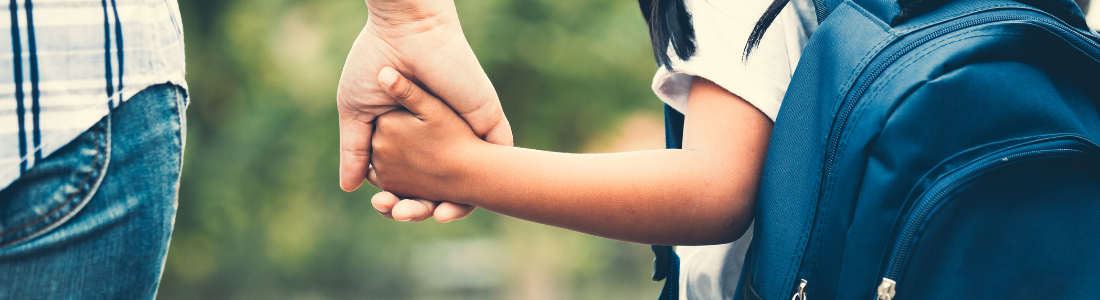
x,y
671,197
703,194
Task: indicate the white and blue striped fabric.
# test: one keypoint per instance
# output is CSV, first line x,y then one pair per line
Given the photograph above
x,y
64,64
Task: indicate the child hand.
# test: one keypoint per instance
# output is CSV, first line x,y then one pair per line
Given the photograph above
x,y
421,38
418,152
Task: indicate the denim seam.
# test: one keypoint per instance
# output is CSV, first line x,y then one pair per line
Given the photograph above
x,y
84,193
181,107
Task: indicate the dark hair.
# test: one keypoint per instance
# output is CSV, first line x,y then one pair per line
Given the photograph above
x,y
762,25
669,23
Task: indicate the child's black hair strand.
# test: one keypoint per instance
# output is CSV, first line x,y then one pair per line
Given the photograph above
x,y
762,25
669,23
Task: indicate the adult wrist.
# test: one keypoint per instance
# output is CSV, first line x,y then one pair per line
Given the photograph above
x,y
414,16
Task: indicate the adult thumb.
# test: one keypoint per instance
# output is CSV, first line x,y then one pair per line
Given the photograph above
x,y
355,151
408,94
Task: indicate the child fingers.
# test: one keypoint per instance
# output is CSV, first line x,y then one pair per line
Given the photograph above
x,y
408,94
413,210
449,211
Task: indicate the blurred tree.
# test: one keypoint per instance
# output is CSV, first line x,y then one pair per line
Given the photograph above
x,y
261,215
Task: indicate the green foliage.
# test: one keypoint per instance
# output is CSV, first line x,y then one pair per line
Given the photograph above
x,y
261,215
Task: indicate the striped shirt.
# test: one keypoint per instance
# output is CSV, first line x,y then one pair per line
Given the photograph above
x,y
64,64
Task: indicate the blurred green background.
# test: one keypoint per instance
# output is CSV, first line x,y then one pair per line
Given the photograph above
x,y
261,216
260,212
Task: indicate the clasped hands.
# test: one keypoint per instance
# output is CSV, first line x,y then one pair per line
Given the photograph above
x,y
423,40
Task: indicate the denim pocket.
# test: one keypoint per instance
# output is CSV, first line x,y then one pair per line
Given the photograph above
x,y
56,188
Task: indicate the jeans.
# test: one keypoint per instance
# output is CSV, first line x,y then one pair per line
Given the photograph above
x,y
92,220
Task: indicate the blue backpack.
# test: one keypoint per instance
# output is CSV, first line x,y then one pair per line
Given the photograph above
x,y
935,150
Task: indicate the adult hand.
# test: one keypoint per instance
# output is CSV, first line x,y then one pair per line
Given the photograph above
x,y
423,39
418,152
415,210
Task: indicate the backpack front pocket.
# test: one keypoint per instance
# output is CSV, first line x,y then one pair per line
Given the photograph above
x,y
1016,223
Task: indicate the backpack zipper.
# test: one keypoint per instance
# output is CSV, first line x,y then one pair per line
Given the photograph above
x,y
886,289
850,102
801,293
925,204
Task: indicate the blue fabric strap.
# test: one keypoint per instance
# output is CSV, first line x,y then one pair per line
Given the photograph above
x,y
666,264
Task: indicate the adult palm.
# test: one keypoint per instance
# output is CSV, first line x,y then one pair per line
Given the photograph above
x,y
423,40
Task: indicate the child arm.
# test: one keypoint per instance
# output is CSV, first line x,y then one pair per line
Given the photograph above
x,y
702,194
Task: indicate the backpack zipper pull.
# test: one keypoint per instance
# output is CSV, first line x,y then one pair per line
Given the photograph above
x,y
886,289
801,294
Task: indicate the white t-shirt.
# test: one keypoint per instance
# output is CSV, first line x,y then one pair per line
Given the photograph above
x,y
722,28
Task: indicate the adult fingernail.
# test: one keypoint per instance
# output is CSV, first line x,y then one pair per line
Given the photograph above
x,y
381,209
388,76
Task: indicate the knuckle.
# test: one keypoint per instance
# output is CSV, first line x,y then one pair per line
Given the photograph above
x,y
382,122
386,117
354,151
407,90
381,148
388,121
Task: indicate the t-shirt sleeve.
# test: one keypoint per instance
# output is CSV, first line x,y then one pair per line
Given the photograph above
x,y
722,29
